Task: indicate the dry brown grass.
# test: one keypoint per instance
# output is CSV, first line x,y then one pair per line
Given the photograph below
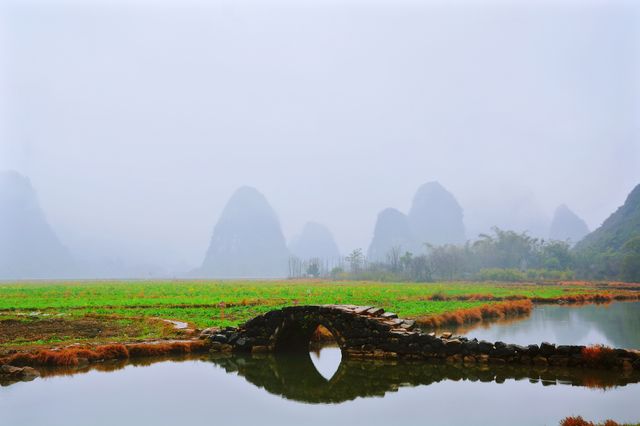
x,y
475,297
485,312
584,298
569,299
599,383
71,356
599,355
171,348
579,421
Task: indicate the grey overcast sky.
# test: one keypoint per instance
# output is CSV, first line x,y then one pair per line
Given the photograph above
x,y
135,121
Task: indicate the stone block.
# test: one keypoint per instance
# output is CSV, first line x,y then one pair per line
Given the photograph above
x,y
453,346
485,347
547,349
220,338
472,347
375,311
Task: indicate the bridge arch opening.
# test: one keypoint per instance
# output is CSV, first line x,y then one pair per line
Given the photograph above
x,y
325,352
303,336
322,337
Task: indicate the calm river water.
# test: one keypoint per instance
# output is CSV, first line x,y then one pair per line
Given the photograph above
x,y
284,390
615,324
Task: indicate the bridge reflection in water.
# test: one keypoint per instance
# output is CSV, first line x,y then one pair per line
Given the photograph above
x,y
295,377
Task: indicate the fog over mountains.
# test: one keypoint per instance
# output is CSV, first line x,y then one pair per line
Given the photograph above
x,y
136,120
247,239
315,241
392,231
567,226
620,228
29,248
435,218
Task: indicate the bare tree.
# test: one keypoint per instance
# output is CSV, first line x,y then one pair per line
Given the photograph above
x,y
295,267
393,258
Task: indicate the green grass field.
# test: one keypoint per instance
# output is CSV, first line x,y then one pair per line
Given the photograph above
x,y
209,303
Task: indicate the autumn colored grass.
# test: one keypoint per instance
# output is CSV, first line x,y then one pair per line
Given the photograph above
x,y
599,355
569,299
72,356
579,421
477,314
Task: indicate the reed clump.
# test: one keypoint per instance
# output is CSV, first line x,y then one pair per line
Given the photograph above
x,y
579,421
481,313
74,356
577,299
599,355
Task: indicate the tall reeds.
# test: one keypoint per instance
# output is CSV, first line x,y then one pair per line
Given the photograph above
x,y
481,313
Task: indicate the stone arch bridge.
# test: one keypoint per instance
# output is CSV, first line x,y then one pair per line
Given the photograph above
x,y
356,329
369,332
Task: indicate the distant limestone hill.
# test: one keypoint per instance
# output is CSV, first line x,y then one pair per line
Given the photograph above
x,y
314,242
391,231
623,225
29,248
247,241
567,226
435,216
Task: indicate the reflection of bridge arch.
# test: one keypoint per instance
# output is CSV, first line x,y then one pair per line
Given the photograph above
x,y
295,377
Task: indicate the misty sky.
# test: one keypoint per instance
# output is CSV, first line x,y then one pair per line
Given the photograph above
x,y
135,121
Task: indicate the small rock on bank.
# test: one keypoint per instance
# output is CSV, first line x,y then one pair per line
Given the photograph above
x,y
11,373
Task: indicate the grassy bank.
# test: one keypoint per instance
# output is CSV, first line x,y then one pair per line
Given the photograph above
x,y
121,311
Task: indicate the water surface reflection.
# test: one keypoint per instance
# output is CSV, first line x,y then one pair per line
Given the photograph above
x,y
289,390
296,378
616,324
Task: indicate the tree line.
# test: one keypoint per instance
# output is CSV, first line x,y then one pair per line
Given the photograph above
x,y
499,256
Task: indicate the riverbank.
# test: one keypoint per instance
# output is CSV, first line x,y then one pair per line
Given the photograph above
x,y
21,365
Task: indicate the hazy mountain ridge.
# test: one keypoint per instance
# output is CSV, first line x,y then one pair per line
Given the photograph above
x,y
435,218
391,231
567,226
29,247
314,242
247,241
622,226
